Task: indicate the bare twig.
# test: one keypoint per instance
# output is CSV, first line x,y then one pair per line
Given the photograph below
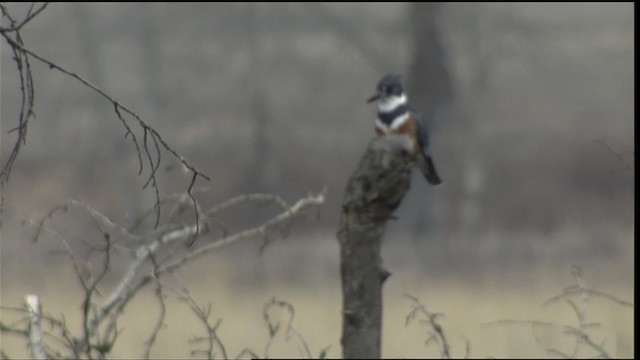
x,y
245,198
289,331
467,348
583,337
626,164
246,352
12,329
324,351
437,333
90,286
126,288
35,331
27,93
179,199
26,88
521,322
31,14
67,338
579,334
203,315
579,309
558,353
163,311
568,293
581,314
247,234
21,57
254,198
92,342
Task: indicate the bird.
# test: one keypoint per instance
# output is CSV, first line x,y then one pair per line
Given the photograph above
x,y
395,117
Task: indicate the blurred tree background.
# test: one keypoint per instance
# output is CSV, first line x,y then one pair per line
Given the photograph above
x,y
530,109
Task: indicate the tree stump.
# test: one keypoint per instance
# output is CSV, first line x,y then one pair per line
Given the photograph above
x,y
373,192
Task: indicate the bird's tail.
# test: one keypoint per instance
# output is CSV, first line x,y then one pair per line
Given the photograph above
x,y
425,164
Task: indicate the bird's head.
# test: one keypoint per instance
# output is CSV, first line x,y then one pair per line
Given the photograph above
x,y
389,94
389,86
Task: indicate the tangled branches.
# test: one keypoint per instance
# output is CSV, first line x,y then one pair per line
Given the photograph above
x,y
583,340
436,332
148,146
152,256
27,92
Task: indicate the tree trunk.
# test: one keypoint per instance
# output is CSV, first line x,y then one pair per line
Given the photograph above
x,y
373,192
429,81
431,92
264,168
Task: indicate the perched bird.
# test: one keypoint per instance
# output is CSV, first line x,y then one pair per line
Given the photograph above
x,y
394,117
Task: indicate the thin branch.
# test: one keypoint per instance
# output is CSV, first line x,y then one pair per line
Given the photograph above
x,y
558,353
581,337
274,327
617,154
27,92
438,335
90,289
35,331
571,292
67,340
520,322
126,289
146,127
12,329
243,354
163,311
148,131
257,197
29,17
195,208
203,315
247,234
179,199
102,222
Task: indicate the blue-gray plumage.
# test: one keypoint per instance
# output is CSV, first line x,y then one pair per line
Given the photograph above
x,y
424,161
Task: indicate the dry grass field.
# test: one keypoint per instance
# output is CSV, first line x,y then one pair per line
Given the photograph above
x,y
471,303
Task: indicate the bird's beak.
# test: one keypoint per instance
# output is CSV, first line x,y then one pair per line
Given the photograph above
x,y
374,98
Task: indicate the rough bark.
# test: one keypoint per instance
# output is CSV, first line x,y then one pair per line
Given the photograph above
x,y
373,192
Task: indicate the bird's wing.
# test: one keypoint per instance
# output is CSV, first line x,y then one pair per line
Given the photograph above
x,y
422,134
